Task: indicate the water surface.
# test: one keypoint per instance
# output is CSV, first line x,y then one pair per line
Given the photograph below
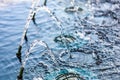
x,y
100,24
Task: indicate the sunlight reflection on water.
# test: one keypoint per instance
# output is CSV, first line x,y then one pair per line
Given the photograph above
x,y
7,3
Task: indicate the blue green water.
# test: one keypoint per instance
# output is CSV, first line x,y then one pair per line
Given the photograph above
x,y
102,29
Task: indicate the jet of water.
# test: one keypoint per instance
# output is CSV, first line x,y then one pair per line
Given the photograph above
x,y
45,8
30,16
59,23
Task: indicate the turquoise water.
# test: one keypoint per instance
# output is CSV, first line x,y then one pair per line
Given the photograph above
x,y
94,51
84,74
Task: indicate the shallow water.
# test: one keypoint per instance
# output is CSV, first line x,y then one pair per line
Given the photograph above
x,y
98,24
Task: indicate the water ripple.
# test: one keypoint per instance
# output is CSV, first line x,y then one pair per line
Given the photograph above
x,y
102,28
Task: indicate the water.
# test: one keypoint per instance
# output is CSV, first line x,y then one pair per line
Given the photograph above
x,y
95,49
9,63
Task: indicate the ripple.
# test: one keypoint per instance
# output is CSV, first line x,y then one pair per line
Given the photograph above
x,y
5,3
99,22
9,66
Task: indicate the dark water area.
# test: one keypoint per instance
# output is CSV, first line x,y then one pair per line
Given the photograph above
x,y
94,39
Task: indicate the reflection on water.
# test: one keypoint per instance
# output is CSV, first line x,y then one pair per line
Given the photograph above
x,y
8,3
11,27
90,35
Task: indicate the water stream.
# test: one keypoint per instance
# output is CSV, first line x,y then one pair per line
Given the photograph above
x,y
61,40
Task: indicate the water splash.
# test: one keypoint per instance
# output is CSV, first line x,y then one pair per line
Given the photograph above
x,y
70,74
58,22
32,46
30,16
86,42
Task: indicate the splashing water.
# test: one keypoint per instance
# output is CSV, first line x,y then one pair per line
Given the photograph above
x,y
71,74
32,46
72,40
29,51
64,38
30,16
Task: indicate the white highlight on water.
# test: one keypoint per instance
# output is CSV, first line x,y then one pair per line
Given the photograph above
x,y
6,3
34,43
30,16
